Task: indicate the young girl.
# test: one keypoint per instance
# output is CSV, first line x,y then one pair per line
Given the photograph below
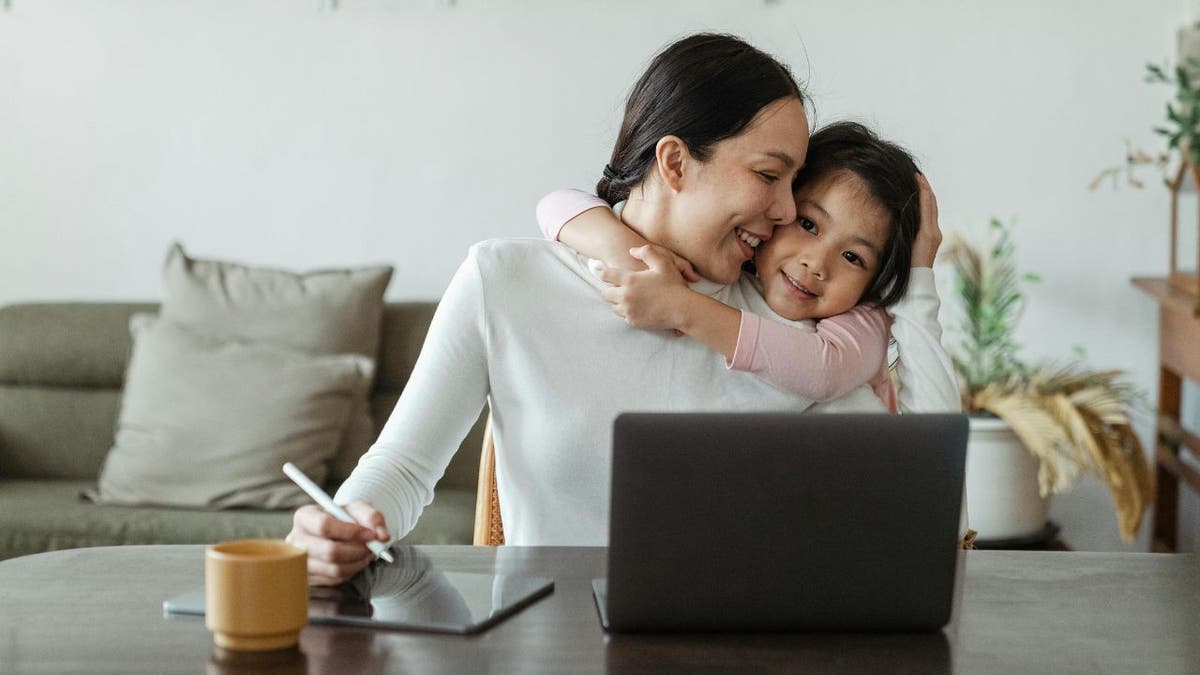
x,y
845,258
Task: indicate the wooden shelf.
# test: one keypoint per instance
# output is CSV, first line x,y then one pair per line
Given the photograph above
x,y
1179,359
1168,295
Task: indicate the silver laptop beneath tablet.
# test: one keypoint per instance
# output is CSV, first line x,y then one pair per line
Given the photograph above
x,y
783,522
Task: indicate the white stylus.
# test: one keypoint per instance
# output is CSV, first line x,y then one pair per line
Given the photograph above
x,y
324,501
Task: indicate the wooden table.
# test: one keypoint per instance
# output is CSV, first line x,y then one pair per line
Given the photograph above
x,y
99,610
1179,358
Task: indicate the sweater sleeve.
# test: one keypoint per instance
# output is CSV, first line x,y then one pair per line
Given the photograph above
x,y
442,399
556,208
925,371
845,352
927,380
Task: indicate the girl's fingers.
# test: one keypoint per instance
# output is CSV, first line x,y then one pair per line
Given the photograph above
x,y
933,205
928,201
655,257
685,268
929,236
614,276
611,295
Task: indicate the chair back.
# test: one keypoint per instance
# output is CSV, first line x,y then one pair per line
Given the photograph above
x,y
489,530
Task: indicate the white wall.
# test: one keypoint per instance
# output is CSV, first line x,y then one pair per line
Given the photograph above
x,y
404,130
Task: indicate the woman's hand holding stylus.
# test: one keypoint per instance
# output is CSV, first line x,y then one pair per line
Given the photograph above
x,y
336,550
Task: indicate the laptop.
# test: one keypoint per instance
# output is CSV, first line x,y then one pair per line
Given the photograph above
x,y
783,522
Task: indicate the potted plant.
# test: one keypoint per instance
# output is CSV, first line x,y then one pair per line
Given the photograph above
x,y
1181,129
1034,429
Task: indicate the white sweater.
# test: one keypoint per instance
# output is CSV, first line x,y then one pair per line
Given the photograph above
x,y
523,327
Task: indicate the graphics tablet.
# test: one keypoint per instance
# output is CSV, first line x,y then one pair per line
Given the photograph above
x,y
409,594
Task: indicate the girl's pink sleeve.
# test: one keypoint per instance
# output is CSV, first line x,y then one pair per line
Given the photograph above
x,y
845,352
556,208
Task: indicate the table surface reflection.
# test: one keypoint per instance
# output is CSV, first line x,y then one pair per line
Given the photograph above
x,y
100,610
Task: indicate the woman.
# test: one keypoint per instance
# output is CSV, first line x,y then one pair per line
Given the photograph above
x,y
715,132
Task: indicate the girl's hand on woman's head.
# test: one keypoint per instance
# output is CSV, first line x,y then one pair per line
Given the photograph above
x,y
929,236
655,298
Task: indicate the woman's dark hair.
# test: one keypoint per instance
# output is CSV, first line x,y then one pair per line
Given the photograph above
x,y
889,174
704,88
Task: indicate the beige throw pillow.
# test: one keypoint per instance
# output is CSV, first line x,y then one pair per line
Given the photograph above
x,y
208,422
321,312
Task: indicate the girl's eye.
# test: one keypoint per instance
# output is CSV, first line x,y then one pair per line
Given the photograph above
x,y
806,224
768,177
853,258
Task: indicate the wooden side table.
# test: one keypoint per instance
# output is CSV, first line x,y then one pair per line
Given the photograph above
x,y
1178,358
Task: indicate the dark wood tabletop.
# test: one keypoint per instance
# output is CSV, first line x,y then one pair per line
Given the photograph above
x,y
99,610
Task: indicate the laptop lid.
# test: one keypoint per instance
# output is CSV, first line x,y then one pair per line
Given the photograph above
x,y
784,521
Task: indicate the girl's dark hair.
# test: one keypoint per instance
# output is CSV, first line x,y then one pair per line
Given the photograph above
x,y
704,88
889,174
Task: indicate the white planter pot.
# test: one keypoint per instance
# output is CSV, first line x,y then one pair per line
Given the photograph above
x,y
1002,487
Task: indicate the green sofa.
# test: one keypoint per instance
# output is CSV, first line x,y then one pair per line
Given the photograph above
x,y
62,366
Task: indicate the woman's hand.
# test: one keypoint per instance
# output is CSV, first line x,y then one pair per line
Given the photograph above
x,y
929,235
336,550
652,299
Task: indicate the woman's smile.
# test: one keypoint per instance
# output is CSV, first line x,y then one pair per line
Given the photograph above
x,y
746,243
749,238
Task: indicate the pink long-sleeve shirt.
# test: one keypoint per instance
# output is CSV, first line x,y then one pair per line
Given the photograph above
x,y
844,351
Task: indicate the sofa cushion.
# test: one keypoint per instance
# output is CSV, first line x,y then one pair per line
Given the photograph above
x,y
320,312
38,516
55,432
208,422
323,312
82,345
62,366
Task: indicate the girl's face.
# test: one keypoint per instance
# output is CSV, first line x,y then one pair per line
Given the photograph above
x,y
726,205
821,264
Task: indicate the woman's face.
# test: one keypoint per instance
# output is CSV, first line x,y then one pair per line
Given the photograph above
x,y
727,205
823,263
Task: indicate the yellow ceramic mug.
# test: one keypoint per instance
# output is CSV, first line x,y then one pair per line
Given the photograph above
x,y
255,594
